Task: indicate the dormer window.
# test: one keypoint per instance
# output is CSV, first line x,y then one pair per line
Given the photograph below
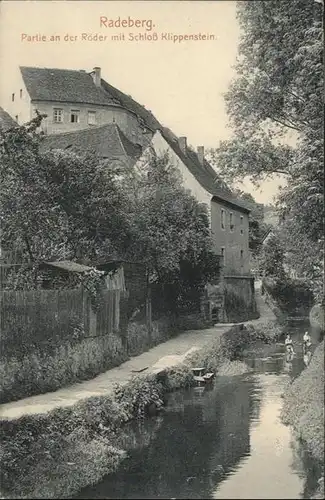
x,y
21,93
13,97
75,116
91,117
57,115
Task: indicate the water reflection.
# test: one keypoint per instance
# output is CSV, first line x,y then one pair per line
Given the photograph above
x,y
202,438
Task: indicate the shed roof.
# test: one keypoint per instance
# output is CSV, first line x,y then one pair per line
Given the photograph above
x,y
68,266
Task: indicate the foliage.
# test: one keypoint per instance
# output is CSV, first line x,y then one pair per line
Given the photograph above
x,y
54,365
303,406
139,394
170,231
169,224
60,205
265,330
56,205
257,225
305,257
276,111
179,377
293,296
71,447
272,257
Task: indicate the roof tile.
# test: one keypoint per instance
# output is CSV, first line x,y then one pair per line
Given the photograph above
x,y
63,85
107,141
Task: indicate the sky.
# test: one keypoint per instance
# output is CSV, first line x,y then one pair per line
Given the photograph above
x,y
181,82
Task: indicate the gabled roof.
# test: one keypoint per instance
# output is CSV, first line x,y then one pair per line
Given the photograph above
x,y
67,266
6,121
63,85
127,102
107,141
204,174
66,85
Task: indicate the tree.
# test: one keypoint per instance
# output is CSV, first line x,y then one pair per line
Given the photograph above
x,y
62,205
257,226
57,204
278,91
272,258
168,223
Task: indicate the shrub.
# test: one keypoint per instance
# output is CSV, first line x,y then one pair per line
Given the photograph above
x,y
139,394
293,296
266,331
179,377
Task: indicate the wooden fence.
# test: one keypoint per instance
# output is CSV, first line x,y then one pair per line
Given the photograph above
x,y
36,317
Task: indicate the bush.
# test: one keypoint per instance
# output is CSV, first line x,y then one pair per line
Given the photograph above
x,y
265,330
139,394
292,295
179,377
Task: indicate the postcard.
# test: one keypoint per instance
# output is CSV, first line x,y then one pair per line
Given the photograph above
x,y
162,249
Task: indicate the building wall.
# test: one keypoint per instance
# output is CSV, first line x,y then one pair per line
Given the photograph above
x,y
239,299
23,108
19,108
127,121
234,241
161,146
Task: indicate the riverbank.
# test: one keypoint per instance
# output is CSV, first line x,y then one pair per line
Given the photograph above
x,y
75,445
303,408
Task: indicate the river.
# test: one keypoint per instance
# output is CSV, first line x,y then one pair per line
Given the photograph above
x,y
225,442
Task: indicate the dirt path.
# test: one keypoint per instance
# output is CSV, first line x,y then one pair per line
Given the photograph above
x,y
168,353
163,355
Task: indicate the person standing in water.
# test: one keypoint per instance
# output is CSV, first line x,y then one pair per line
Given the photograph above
x,y
306,341
288,343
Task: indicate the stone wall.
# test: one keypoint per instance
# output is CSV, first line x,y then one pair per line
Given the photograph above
x,y
239,299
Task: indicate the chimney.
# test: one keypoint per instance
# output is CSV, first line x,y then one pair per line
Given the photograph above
x,y
182,142
200,154
96,76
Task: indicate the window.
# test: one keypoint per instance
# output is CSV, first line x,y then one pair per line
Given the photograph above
x,y
58,115
74,117
242,254
241,223
91,117
231,221
13,96
223,254
222,219
21,93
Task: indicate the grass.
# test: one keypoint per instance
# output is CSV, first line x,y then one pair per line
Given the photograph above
x,y
55,455
303,407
